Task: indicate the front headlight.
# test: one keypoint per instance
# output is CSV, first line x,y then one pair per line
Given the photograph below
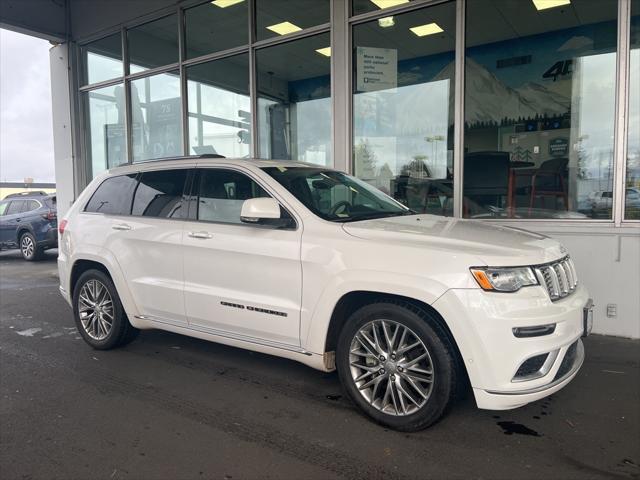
x,y
504,279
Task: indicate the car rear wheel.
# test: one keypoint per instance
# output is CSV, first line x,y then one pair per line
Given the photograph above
x,y
98,312
29,247
397,364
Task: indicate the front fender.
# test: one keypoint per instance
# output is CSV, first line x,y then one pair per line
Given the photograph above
x,y
316,318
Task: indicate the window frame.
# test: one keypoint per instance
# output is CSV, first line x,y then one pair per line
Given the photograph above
x,y
194,196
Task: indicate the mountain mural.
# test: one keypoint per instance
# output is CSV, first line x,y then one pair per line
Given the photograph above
x,y
489,100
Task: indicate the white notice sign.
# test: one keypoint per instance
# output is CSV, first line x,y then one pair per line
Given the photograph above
x,y
376,69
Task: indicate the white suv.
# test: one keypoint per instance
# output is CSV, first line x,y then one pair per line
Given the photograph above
x,y
311,264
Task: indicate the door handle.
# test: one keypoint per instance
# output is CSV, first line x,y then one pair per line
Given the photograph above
x,y
121,226
201,235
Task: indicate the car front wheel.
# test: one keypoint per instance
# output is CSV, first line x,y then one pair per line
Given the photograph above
x,y
397,364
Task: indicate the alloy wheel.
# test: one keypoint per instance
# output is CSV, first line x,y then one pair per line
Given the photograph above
x,y
27,246
391,367
95,308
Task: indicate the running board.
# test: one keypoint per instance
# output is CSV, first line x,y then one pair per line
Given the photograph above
x,y
232,336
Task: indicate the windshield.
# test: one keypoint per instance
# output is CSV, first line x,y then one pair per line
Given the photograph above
x,y
336,196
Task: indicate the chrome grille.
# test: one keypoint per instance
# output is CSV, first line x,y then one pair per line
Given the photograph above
x,y
559,278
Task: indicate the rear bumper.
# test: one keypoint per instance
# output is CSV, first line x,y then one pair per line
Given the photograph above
x,y
482,324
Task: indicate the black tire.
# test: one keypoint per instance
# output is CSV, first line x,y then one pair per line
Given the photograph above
x,y
29,247
442,355
121,331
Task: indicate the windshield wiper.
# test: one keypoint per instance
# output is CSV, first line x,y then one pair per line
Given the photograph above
x,y
373,216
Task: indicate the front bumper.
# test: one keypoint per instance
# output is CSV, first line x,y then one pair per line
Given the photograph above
x,y
482,324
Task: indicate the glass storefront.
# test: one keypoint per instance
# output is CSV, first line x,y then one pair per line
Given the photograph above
x,y
294,100
539,109
283,17
632,191
156,117
403,96
105,133
153,44
519,123
219,107
216,26
102,60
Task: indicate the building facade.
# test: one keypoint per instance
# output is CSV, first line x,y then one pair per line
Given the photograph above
x,y
517,112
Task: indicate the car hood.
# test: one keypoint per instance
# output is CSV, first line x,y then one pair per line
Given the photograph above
x,y
492,245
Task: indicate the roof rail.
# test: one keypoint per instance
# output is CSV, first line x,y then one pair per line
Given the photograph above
x,y
39,193
168,159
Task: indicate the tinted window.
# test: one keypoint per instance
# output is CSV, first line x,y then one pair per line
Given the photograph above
x,y
3,207
16,206
159,194
113,196
221,193
50,202
31,205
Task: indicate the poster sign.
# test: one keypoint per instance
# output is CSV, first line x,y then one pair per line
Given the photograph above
x,y
164,128
376,69
558,147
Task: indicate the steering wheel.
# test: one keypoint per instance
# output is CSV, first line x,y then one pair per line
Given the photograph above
x,y
341,204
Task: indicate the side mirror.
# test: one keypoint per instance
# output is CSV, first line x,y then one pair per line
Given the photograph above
x,y
261,211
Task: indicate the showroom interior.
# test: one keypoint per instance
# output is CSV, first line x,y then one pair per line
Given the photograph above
x,y
525,114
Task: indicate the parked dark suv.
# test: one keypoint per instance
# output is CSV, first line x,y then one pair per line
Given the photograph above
x,y
29,221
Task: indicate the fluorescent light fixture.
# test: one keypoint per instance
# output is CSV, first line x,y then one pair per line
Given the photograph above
x,y
427,29
544,4
326,51
284,28
225,3
382,4
386,22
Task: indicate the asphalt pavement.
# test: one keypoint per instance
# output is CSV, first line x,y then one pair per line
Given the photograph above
x,y
173,407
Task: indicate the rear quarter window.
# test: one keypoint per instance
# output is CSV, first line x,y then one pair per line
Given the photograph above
x,y
113,196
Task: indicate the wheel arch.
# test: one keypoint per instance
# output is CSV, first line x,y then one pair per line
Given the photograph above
x,y
22,229
352,301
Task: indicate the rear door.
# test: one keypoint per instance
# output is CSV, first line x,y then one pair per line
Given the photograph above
x,y
241,280
11,220
148,244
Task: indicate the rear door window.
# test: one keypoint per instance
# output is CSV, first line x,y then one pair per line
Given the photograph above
x,y
31,205
113,196
159,194
15,206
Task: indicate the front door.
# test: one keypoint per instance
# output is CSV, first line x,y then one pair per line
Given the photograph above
x,y
240,280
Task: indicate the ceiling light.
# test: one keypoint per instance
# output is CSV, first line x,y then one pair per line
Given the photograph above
x,y
386,22
428,29
326,51
544,4
284,28
382,4
225,3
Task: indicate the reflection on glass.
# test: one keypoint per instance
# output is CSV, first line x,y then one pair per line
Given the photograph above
x,y
539,109
403,108
632,192
156,117
102,59
294,101
153,44
278,17
215,26
219,107
106,144
364,6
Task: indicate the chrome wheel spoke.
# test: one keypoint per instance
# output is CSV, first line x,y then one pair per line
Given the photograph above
x,y
391,367
95,308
